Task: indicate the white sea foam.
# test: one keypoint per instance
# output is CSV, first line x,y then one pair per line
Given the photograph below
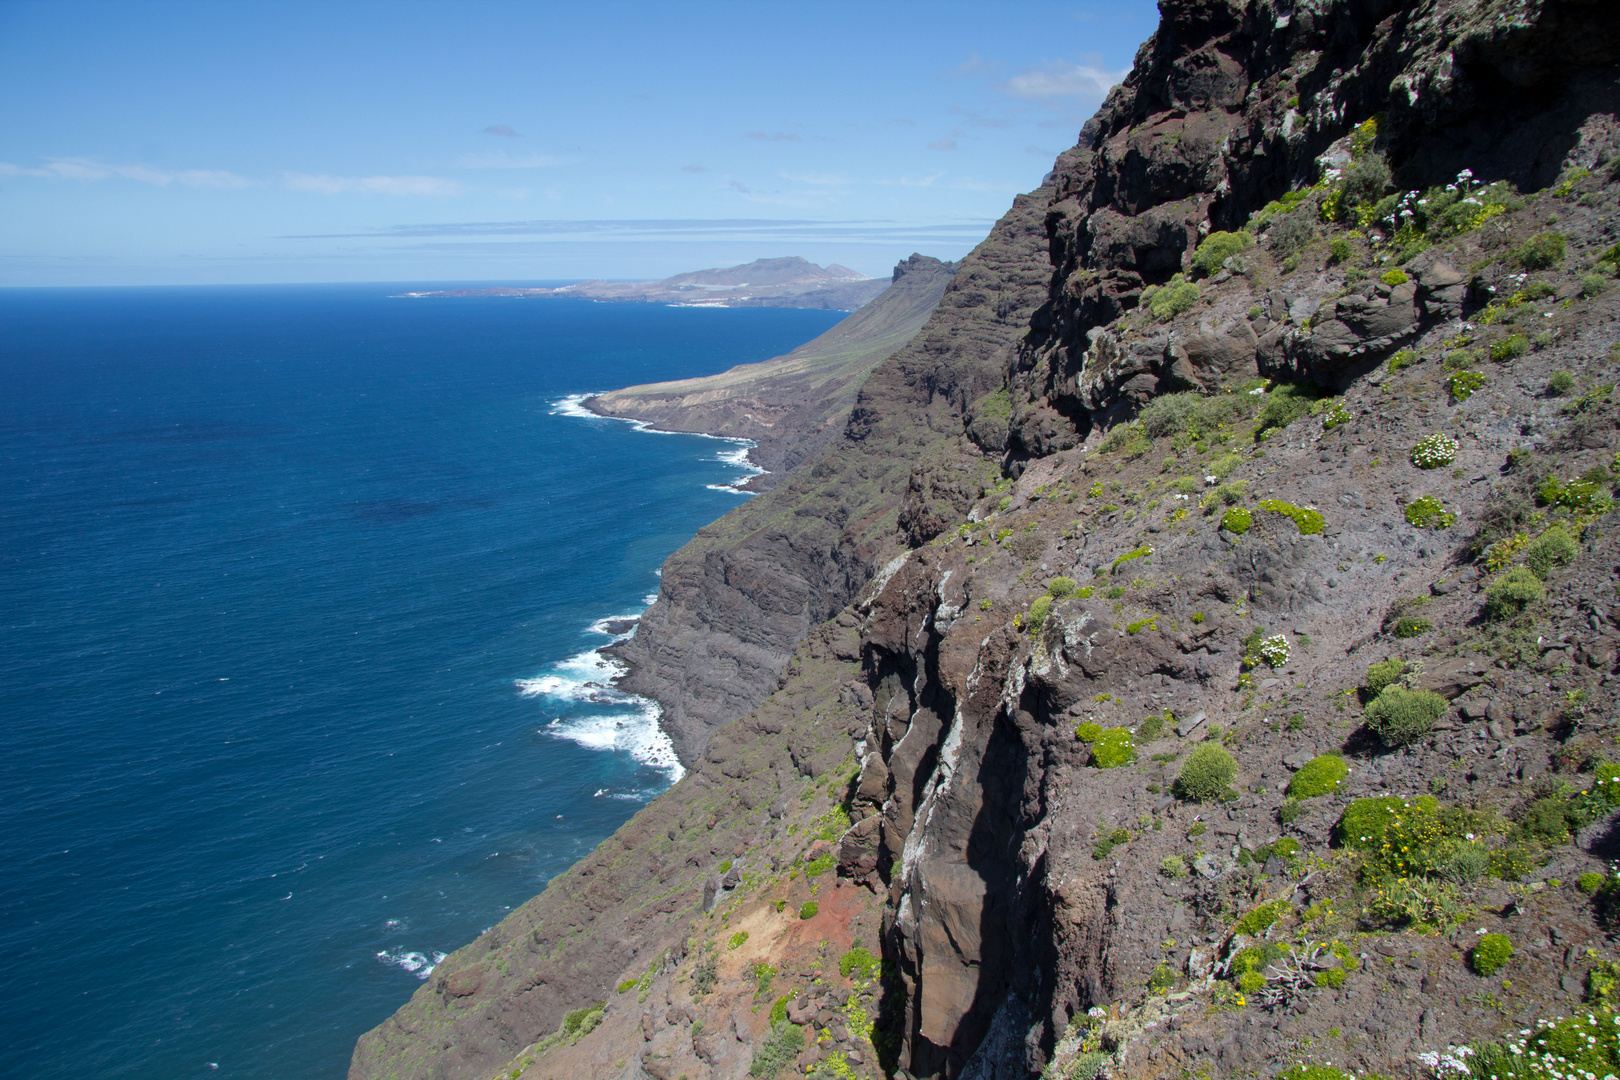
x,y
632,728
737,457
636,733
414,962
570,406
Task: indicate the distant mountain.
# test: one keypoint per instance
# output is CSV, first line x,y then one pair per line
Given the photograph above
x,y
785,282
791,405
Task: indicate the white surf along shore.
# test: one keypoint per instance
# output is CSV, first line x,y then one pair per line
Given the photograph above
x,y
590,677
736,457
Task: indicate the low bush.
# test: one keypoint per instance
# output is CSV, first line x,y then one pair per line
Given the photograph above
x,y
1489,954
1175,867
858,963
1511,593
809,909
1380,675
1088,732
1285,404
1039,609
1206,774
1559,1049
1551,549
1237,521
1428,512
1322,775
1060,587
1308,520
779,1049
1541,252
1435,451
1113,748
1400,716
1177,297
1593,284
1217,247
1410,626
1511,862
1589,882
1393,278
1260,920
1510,348
736,940
1463,384
1560,384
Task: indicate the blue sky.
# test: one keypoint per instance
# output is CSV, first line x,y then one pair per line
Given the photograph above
x,y
165,143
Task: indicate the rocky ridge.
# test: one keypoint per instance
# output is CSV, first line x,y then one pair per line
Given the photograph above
x,y
1089,721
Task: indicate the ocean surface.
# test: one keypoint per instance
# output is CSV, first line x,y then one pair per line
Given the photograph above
x,y
300,589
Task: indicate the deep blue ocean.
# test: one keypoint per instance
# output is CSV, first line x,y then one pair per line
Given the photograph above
x,y
299,592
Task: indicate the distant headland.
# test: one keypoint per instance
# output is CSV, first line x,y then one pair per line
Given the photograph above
x,y
785,282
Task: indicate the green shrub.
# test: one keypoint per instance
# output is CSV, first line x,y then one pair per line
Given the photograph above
x,y
1511,862
581,1022
1060,587
1435,451
1551,549
777,1051
1382,674
1512,593
808,909
628,984
1307,520
1175,867
1606,781
1410,626
1217,247
1206,774
1113,748
736,940
1429,512
1393,277
779,1010
1177,297
1162,979
1593,284
1540,252
1152,727
1320,776
1544,820
1556,1048
817,867
1289,812
1400,716
1463,384
1237,521
1315,1072
1489,954
1038,610
1261,918
1362,184
1560,384
1340,251
1284,405
1088,732
1130,556
1510,348
858,963
1589,882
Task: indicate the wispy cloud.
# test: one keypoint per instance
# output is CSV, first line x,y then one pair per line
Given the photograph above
x,y
503,131
772,136
369,185
506,161
785,229
942,144
818,179
1060,79
86,169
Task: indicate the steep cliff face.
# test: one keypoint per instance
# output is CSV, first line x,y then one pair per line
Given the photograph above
x,y
733,603
1231,106
1205,670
